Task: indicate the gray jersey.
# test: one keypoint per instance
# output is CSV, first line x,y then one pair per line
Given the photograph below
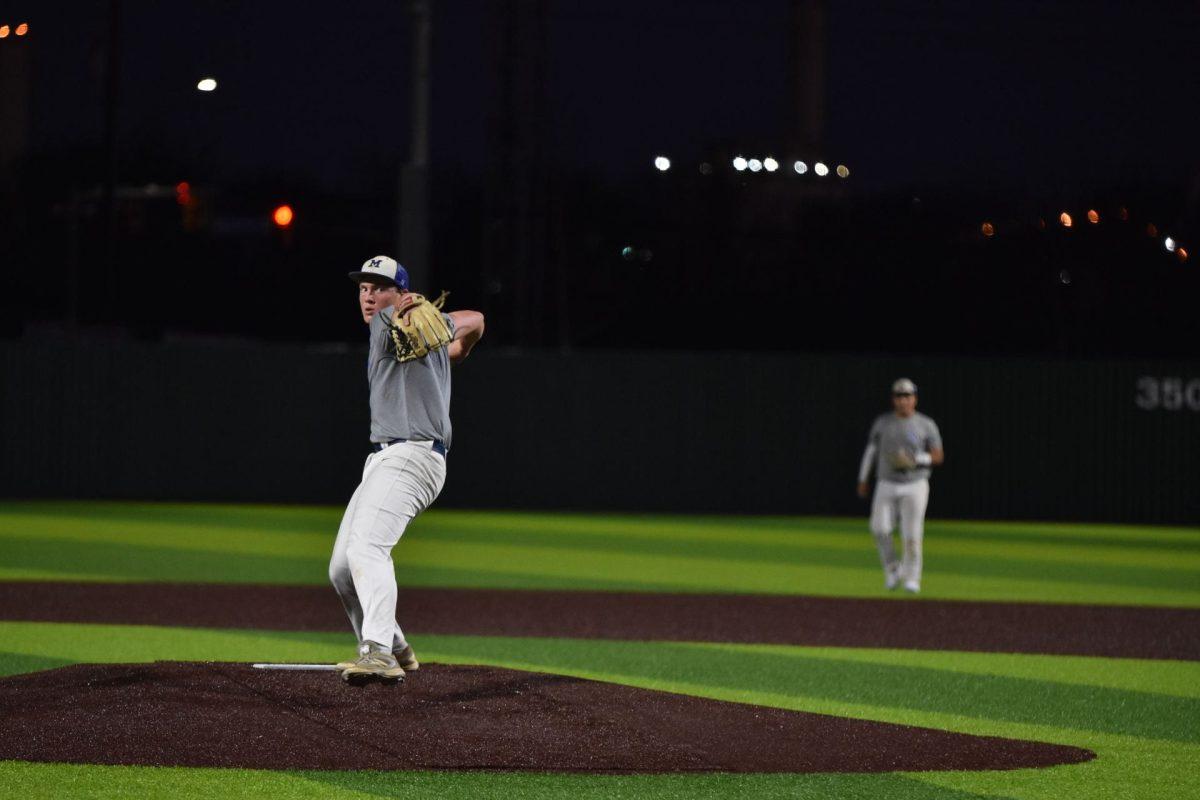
x,y
890,434
409,400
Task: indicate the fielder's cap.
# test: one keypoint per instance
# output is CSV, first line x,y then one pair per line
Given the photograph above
x,y
904,386
382,269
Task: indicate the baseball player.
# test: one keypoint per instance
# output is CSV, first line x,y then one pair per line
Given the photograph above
x,y
903,446
412,346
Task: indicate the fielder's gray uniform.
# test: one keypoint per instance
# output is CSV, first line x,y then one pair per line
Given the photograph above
x,y
410,434
900,493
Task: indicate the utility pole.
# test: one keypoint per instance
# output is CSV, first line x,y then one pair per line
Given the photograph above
x,y
412,233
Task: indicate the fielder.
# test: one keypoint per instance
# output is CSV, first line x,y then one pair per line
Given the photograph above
x,y
412,345
903,446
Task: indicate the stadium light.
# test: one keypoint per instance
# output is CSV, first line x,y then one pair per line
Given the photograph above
x,y
283,216
1066,220
22,29
821,169
4,31
770,164
1169,243
843,171
207,84
755,165
662,163
1093,216
740,164
987,229
800,167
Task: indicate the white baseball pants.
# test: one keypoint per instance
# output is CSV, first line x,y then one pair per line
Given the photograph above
x,y
398,483
906,501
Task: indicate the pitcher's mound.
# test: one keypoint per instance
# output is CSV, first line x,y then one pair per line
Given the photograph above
x,y
450,717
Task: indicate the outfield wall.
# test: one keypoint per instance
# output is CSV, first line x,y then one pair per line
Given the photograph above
x,y
1033,439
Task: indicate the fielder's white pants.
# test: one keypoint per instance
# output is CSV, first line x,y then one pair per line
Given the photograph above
x,y
905,502
398,483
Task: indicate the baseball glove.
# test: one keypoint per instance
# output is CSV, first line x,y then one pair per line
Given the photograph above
x,y
418,329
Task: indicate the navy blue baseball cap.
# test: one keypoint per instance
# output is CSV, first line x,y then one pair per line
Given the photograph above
x,y
384,270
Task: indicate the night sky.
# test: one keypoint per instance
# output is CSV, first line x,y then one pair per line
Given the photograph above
x,y
1042,95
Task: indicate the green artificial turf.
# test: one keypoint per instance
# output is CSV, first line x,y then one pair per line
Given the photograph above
x,y
262,544
1139,716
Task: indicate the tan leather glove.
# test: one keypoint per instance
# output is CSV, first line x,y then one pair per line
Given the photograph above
x,y
419,328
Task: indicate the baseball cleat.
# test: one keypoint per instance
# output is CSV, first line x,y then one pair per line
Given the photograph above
x,y
891,579
406,657
912,587
375,662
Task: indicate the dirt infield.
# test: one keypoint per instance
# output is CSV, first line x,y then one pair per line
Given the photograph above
x,y
1061,629
451,717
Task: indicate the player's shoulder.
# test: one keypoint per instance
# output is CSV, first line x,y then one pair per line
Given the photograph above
x,y
882,419
381,318
925,419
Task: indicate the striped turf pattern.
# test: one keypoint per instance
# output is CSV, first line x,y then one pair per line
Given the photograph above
x,y
1139,716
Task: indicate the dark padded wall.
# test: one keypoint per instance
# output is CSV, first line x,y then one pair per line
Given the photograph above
x,y
1115,441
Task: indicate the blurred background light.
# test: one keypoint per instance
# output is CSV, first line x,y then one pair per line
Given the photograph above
x,y
987,229
705,168
821,169
1065,219
755,165
843,171
1181,254
627,253
4,31
770,164
1064,277
739,163
22,29
1123,213
800,167
1151,230
1093,216
207,84
662,163
283,216
1169,243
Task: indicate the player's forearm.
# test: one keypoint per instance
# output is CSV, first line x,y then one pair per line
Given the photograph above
x,y
468,330
868,459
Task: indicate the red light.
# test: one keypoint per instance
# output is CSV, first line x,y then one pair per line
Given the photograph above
x,y
283,216
183,193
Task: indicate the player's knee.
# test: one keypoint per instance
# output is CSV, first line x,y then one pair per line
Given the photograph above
x,y
881,531
339,574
